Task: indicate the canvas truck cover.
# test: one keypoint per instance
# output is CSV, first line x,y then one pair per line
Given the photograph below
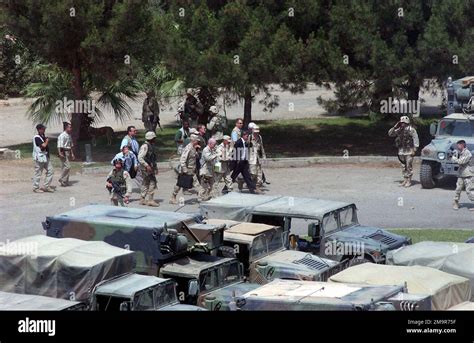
x,y
465,306
28,302
60,268
240,206
452,258
313,295
446,290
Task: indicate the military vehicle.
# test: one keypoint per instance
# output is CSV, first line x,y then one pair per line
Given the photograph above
x,y
97,274
297,295
156,236
436,157
134,292
28,302
445,290
261,249
459,93
200,275
168,244
333,228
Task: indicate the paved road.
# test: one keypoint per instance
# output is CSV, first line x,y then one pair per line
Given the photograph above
x,y
374,188
16,128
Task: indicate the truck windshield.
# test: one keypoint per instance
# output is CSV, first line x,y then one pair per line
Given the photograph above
x,y
165,294
458,128
266,243
229,273
348,217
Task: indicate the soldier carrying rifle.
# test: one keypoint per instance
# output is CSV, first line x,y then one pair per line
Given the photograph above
x,y
119,184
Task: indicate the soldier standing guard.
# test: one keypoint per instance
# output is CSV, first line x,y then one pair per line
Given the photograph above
x,y
465,174
151,112
147,160
407,143
65,151
119,184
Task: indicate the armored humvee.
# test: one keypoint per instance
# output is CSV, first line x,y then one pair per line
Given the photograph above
x,y
436,163
261,249
296,295
333,228
459,93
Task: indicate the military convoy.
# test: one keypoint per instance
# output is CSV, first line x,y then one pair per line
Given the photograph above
x,y
333,228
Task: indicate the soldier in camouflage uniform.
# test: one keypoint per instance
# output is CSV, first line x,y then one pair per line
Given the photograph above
x,y
151,112
147,159
465,174
407,143
187,165
256,155
217,124
208,159
119,184
225,157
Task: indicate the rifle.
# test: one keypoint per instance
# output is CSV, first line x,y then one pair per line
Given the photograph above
x,y
115,188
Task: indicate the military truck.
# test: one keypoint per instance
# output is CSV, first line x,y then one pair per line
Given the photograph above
x,y
333,228
92,274
459,94
168,244
436,157
297,295
134,292
156,236
261,249
28,302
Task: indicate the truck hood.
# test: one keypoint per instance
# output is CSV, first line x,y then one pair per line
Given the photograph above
x,y
226,295
182,307
373,238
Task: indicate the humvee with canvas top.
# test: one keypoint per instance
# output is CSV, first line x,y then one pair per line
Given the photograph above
x,y
333,228
261,249
156,236
28,302
459,93
296,295
436,163
134,292
199,275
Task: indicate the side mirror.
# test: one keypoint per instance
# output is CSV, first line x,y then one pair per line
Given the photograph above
x,y
433,128
124,306
193,289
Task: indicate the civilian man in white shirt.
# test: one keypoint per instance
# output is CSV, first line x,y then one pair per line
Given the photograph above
x,y
65,152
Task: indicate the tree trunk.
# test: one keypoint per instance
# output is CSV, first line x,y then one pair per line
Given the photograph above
x,y
413,91
247,108
77,118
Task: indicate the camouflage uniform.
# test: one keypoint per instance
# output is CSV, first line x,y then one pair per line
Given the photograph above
x,y
225,157
465,174
216,126
147,157
208,159
407,143
187,165
150,114
256,154
65,146
122,179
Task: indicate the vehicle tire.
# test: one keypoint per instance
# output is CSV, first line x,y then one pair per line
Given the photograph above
x,y
225,251
426,174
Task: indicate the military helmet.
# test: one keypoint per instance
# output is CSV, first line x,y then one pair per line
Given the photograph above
x,y
405,120
150,135
213,109
119,159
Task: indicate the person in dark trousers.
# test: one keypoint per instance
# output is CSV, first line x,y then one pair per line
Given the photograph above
x,y
241,157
